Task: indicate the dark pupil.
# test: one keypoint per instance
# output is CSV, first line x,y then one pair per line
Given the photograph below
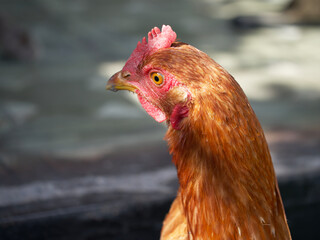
x,y
156,78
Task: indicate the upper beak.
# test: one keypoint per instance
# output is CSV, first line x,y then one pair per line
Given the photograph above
x,y
119,82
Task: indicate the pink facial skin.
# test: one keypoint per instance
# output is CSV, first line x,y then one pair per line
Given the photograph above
x,y
150,94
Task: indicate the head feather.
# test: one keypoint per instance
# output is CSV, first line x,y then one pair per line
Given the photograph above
x,y
156,40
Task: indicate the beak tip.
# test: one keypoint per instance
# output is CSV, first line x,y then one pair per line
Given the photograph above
x,y
111,87
117,82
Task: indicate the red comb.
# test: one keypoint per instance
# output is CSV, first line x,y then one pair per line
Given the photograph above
x,y
156,40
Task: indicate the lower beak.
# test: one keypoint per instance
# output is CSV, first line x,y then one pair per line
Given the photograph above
x,y
118,82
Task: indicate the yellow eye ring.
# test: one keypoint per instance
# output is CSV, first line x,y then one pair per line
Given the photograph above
x,y
157,78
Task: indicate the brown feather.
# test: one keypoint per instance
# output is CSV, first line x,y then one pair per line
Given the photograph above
x,y
228,188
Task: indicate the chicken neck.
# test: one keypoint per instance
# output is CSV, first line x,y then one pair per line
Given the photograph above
x,y
228,187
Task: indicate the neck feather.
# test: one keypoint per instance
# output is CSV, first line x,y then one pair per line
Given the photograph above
x,y
228,186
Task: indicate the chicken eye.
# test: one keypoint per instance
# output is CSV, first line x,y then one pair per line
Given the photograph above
x,y
157,78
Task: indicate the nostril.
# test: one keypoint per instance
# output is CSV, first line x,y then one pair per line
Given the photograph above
x,y
125,74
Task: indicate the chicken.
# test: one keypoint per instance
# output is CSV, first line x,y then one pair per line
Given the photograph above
x,y
228,188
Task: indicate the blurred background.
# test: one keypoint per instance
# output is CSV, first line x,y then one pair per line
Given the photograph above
x,y
77,162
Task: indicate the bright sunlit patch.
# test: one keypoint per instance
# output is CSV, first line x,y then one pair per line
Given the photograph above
x,y
107,69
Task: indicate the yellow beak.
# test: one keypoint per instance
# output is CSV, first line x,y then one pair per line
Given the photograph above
x,y
118,82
